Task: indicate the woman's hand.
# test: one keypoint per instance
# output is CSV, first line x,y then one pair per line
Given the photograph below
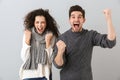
x,y
48,38
27,36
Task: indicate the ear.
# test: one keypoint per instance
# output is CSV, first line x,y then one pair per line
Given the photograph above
x,y
69,20
84,20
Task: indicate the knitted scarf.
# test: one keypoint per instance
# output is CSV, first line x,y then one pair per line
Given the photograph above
x,y
37,51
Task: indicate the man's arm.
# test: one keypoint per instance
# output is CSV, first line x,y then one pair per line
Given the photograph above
x,y
111,32
61,50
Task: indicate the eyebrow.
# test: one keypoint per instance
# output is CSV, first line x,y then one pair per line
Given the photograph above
x,y
78,15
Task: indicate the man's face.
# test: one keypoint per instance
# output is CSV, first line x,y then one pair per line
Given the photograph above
x,y
76,20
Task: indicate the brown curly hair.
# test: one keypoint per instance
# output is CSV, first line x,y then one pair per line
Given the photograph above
x,y
51,23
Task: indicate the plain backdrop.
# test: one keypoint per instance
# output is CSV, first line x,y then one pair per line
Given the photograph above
x,y
105,62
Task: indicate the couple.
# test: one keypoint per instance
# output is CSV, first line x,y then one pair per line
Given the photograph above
x,y
70,51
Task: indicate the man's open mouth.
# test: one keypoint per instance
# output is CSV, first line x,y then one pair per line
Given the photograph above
x,y
76,25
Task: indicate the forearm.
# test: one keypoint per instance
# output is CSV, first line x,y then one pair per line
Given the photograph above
x,y
60,56
49,53
25,50
111,32
59,59
47,45
25,53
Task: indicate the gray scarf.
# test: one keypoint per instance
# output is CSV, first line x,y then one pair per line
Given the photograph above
x,y
37,51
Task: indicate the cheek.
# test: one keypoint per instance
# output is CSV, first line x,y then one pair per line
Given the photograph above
x,y
35,25
71,22
44,26
83,20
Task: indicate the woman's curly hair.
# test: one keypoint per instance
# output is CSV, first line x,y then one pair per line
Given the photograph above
x,y
51,23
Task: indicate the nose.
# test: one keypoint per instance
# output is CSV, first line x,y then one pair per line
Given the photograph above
x,y
76,19
39,24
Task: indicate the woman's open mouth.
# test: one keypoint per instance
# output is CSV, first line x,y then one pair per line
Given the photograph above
x,y
40,30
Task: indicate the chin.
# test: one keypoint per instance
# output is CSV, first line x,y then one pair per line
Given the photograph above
x,y
76,31
39,32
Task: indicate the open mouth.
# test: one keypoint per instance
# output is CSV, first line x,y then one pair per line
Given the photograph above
x,y
76,25
39,30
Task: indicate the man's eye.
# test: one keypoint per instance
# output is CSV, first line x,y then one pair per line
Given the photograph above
x,y
73,17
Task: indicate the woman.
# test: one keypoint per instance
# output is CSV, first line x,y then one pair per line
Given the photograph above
x,y
38,41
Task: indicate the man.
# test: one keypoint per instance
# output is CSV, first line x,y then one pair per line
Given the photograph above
x,y
74,48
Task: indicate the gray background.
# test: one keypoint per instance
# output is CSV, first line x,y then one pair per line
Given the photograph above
x,y
105,62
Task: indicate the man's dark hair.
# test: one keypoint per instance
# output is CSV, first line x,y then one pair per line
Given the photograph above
x,y
77,8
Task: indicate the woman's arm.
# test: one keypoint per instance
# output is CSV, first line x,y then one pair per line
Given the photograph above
x,y
26,45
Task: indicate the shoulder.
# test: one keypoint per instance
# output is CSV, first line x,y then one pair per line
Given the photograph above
x,y
63,36
92,32
66,33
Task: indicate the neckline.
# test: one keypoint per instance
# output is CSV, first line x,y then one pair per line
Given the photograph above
x,y
77,32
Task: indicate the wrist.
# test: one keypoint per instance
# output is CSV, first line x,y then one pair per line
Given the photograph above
x,y
27,42
47,45
60,53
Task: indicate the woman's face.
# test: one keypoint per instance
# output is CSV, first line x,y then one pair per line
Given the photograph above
x,y
40,24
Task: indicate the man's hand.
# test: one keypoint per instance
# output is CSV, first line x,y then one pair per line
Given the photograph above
x,y
107,13
61,46
61,49
111,32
